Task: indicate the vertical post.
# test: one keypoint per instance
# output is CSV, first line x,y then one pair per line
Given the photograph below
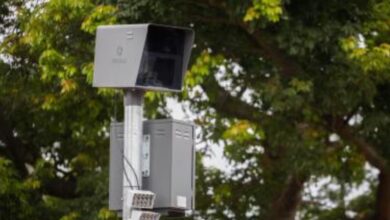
x,y
132,176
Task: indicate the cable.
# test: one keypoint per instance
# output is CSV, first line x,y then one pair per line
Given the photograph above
x,y
128,179
132,168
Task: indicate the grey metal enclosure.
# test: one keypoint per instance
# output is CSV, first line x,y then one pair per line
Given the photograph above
x,y
169,162
143,56
172,164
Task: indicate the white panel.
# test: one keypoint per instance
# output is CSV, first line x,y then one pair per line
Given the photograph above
x,y
146,156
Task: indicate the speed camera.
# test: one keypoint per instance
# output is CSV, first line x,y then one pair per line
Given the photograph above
x,y
142,56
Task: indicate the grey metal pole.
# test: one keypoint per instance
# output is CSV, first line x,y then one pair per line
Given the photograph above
x,y
132,176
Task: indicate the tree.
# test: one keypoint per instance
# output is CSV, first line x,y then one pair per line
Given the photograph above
x,y
52,122
295,90
281,79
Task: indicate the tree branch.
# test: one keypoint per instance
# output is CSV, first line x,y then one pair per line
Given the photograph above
x,y
19,154
16,150
60,187
286,204
271,52
266,47
365,148
228,105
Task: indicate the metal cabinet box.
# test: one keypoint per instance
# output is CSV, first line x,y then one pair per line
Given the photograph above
x,y
144,56
116,167
172,165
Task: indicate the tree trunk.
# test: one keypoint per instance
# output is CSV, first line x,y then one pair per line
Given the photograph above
x,y
383,196
287,202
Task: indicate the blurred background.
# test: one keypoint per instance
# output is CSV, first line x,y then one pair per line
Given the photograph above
x,y
291,99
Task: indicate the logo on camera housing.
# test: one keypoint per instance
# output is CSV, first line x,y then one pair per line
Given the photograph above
x,y
119,52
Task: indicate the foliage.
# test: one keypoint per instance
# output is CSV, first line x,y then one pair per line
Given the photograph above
x,y
47,101
289,76
295,91
269,9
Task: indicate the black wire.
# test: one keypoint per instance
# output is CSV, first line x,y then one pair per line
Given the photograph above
x,y
132,168
128,179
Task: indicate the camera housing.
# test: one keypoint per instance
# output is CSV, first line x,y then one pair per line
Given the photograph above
x,y
142,56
